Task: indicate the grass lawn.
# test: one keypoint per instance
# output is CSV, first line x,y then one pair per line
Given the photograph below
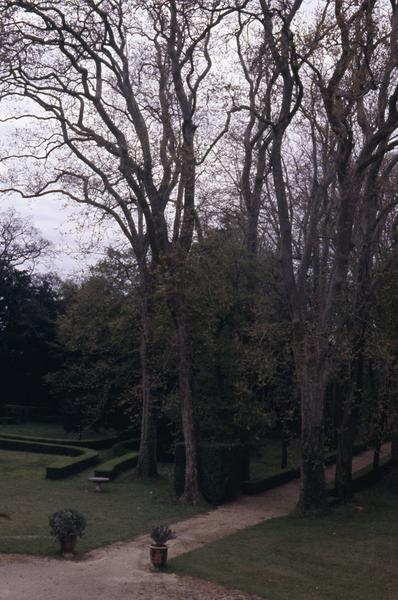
x,y
128,507
348,555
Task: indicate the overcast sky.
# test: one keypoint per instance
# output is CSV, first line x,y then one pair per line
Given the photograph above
x,y
77,242
61,225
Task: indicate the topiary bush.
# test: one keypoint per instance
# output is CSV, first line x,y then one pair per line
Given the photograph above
x,y
222,468
67,523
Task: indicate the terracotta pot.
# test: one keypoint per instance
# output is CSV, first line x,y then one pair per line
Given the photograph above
x,y
68,544
158,556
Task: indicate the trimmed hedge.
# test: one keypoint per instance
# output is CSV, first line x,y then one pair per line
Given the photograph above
x,y
125,446
98,444
76,459
222,468
365,477
257,486
368,476
113,467
74,465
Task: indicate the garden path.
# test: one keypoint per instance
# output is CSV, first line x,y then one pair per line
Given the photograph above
x,y
121,571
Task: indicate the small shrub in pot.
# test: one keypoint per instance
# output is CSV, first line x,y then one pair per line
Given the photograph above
x,y
158,550
66,525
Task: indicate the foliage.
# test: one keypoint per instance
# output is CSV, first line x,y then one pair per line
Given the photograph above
x,y
66,523
381,409
162,534
222,468
98,335
243,375
28,309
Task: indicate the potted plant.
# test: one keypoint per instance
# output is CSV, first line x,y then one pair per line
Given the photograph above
x,y
158,550
66,525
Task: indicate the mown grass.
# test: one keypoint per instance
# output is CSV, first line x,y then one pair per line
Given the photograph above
x,y
350,554
128,507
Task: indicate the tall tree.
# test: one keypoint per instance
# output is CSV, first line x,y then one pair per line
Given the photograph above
x,y
121,84
328,67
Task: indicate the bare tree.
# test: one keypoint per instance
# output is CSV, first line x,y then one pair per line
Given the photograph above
x,y
21,245
350,119
120,84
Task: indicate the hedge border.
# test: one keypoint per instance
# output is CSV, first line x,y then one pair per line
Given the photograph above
x,y
113,467
76,458
257,486
125,446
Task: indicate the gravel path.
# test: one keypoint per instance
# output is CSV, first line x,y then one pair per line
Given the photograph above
x,y
121,571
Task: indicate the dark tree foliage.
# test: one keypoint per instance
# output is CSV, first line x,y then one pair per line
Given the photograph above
x,y
98,335
28,310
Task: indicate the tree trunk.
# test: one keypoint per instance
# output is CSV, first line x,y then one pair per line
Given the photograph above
x,y
284,452
343,476
347,428
346,434
313,495
191,489
394,449
376,457
176,302
252,231
147,458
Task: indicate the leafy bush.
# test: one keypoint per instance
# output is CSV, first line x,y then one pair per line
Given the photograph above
x,y
66,523
162,534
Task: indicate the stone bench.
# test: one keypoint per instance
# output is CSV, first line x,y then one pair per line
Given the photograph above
x,y
99,481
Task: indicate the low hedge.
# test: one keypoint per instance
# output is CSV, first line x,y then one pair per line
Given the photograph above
x,y
113,467
331,458
222,468
71,466
125,446
368,475
364,477
76,459
98,444
256,486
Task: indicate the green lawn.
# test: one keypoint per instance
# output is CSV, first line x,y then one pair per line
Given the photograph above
x,y
127,508
348,555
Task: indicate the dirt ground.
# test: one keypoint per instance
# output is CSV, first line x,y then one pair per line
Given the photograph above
x,y
122,571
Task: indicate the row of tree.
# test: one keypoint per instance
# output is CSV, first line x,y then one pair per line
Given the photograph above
x,y
72,348
170,118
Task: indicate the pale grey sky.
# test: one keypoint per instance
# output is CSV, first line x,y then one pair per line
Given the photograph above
x,y
58,223
77,243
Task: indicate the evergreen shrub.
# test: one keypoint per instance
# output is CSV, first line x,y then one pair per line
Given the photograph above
x,y
222,468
